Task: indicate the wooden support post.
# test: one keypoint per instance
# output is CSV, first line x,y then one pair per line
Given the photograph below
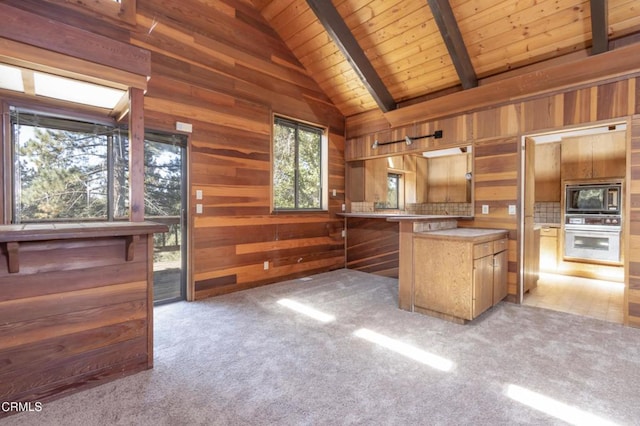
x,y
13,257
130,244
136,155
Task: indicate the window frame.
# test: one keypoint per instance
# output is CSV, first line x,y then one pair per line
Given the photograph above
x,y
63,117
324,166
397,177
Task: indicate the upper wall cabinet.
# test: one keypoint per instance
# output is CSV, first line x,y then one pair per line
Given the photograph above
x,y
598,156
446,179
375,180
547,171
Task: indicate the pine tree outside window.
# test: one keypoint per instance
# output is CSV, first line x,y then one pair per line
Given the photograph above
x,y
299,166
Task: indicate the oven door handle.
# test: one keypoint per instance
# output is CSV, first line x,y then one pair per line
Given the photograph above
x,y
592,229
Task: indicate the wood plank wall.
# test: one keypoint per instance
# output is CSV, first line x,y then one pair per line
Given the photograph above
x,y
496,134
76,314
220,67
373,246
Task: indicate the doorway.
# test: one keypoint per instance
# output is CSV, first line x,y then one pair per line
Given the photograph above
x,y
551,279
165,202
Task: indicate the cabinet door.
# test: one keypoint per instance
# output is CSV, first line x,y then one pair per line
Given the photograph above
x,y
457,183
500,271
355,177
549,250
438,178
577,163
422,184
547,172
609,155
482,284
376,180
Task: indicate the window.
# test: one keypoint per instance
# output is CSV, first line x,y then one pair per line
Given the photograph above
x,y
299,166
68,170
393,191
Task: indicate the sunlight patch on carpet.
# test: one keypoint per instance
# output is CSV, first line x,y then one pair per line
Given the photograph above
x,y
555,408
405,349
306,310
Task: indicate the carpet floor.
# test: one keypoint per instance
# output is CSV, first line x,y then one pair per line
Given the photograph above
x,y
334,349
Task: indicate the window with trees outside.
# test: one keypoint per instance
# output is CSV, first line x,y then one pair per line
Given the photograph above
x,y
393,191
299,166
67,170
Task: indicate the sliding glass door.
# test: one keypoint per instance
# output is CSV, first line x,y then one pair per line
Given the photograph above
x,y
165,183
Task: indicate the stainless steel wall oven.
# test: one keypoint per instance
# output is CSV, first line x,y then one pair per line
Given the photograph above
x,y
593,222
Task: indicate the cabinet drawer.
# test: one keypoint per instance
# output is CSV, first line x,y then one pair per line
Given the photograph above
x,y
500,245
482,249
548,232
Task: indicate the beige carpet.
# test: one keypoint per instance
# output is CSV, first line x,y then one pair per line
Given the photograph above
x,y
251,358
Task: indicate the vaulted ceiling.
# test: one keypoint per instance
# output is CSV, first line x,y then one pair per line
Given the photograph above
x,y
384,54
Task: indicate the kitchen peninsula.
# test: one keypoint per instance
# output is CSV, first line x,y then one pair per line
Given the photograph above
x,y
454,274
373,238
442,270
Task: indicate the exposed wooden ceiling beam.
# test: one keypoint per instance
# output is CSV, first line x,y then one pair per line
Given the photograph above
x,y
342,36
448,26
599,23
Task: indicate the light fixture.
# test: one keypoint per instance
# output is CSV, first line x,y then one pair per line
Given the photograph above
x,y
408,140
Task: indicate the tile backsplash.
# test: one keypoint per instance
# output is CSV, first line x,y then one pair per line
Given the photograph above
x,y
547,212
361,206
454,209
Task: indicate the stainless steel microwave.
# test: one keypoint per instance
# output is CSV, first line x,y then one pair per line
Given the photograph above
x,y
601,198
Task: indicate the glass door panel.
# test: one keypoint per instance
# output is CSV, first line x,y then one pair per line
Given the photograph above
x,y
164,203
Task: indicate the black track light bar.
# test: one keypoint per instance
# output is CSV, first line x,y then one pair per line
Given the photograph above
x,y
409,140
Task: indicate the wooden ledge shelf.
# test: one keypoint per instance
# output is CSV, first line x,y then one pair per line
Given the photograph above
x,y
12,235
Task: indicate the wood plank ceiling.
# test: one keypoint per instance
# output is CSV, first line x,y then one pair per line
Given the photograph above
x,y
421,49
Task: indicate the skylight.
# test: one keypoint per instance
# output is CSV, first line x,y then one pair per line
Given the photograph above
x,y
11,78
61,88
76,91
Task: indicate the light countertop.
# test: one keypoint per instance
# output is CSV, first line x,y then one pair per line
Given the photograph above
x,y
474,234
402,216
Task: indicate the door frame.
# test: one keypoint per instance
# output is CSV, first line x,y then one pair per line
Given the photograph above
x,y
626,121
184,216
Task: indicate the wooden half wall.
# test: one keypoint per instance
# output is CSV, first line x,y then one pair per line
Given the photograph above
x,y
496,135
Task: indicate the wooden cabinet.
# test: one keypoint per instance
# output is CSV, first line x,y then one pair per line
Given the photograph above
x,y
547,172
549,250
446,179
459,273
422,183
375,180
500,271
594,156
482,288
354,176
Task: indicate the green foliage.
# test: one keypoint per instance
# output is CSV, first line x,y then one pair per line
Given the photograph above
x,y
297,179
62,174
162,179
